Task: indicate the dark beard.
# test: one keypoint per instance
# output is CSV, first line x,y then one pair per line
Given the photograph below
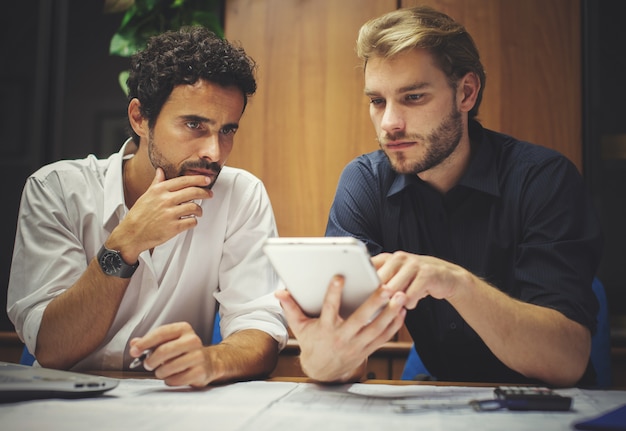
x,y
214,167
158,161
443,141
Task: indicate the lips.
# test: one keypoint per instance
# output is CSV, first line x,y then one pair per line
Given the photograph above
x,y
204,168
206,173
399,145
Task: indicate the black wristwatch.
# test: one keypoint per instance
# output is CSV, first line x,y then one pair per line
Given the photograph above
x,y
112,263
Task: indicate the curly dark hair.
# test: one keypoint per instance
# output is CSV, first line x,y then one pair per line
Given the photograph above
x,y
184,57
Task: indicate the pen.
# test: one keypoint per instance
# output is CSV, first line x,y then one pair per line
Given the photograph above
x,y
139,360
421,405
487,405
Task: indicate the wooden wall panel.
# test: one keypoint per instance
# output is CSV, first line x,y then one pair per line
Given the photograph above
x,y
309,116
531,51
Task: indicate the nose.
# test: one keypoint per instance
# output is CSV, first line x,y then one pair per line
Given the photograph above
x,y
211,148
392,120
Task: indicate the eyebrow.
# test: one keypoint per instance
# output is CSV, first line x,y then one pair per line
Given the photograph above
x,y
405,89
196,118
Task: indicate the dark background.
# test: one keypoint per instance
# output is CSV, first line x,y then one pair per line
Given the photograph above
x,y
60,99
604,117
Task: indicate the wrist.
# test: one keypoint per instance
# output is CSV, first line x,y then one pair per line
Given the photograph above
x,y
464,287
126,249
112,263
335,372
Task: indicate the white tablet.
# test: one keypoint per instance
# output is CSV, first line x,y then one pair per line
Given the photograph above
x,y
307,265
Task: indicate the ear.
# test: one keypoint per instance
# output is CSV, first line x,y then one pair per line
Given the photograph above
x,y
467,91
137,121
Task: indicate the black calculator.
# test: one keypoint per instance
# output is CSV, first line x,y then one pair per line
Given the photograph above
x,y
532,398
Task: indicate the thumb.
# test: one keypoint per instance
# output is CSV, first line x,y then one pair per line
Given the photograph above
x,y
159,176
292,311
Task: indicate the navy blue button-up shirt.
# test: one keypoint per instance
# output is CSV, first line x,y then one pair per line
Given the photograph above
x,y
520,218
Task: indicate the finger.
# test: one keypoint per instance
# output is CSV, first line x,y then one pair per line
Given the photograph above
x,y
416,290
296,318
139,345
380,259
155,338
185,181
367,311
399,271
190,194
188,369
387,266
135,351
177,356
402,278
188,209
194,377
386,324
332,299
159,176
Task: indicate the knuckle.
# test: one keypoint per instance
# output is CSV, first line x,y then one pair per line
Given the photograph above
x,y
184,326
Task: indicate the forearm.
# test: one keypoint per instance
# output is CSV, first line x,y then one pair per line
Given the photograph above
x,y
77,321
243,355
536,341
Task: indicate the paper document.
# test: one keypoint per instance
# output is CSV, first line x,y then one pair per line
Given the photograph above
x,y
285,406
367,407
148,405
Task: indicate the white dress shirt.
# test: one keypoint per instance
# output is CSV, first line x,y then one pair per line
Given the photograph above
x,y
69,209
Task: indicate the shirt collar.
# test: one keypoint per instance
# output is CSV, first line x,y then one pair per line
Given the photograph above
x,y
114,205
481,173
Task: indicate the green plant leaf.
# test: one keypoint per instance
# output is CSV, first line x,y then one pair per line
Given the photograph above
x,y
127,43
122,78
208,20
120,45
146,18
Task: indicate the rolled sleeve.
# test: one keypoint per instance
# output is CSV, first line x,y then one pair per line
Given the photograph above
x,y
561,244
247,281
47,258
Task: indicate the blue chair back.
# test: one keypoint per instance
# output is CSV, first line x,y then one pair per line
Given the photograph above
x,y
217,334
601,340
414,368
26,358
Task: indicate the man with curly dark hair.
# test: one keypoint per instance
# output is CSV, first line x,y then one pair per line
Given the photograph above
x,y
133,253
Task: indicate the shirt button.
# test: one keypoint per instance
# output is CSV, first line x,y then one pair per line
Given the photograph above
x,y
452,325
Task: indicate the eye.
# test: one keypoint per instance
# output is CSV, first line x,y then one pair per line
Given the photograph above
x,y
195,125
414,97
377,101
229,130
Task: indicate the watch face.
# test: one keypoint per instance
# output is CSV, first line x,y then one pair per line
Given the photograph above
x,y
111,263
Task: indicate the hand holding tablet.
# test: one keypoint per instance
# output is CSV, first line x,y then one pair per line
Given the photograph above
x,y
307,265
